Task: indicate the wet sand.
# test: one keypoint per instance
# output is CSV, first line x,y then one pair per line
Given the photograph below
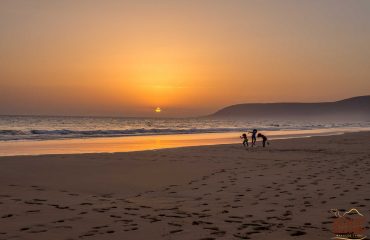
x,y
209,192
149,142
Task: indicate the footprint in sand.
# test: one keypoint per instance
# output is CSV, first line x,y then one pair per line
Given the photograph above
x,y
33,211
39,231
298,233
176,231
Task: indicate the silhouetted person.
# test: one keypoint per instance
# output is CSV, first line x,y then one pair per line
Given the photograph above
x,y
254,137
245,141
264,139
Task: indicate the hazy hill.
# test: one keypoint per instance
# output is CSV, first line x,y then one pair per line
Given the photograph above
x,y
356,108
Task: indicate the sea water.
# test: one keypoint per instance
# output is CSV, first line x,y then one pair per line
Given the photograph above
x,y
16,128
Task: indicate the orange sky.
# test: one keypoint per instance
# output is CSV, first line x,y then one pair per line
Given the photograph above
x,y
125,58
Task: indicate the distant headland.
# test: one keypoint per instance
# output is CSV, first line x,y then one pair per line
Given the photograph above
x,y
355,108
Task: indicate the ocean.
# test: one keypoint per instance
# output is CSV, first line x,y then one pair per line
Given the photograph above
x,y
19,128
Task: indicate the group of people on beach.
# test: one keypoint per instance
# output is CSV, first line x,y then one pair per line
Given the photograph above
x,y
254,138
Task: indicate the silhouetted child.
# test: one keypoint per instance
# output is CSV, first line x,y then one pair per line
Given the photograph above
x,y
245,141
264,139
254,137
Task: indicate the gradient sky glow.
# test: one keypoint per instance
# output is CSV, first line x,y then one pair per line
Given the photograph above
x,y
189,57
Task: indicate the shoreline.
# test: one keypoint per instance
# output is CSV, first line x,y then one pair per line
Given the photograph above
x,y
284,191
149,142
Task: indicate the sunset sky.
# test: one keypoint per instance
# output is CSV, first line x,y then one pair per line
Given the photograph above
x,y
188,57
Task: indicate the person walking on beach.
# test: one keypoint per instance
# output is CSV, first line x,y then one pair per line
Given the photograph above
x,y
245,141
254,137
264,139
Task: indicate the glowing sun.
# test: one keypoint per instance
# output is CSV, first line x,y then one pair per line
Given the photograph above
x,y
158,110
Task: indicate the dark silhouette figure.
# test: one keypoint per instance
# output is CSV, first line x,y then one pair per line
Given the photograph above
x,y
254,137
245,141
264,139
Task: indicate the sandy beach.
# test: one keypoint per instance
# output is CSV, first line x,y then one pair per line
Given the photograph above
x,y
284,191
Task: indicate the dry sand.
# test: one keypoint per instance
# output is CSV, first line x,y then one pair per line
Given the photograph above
x,y
209,192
